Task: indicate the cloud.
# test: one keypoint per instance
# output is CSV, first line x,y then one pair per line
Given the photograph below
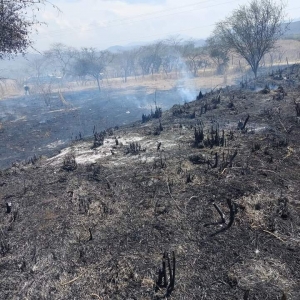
x,y
139,1
96,23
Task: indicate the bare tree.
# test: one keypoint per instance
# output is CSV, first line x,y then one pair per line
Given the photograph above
x,y
127,62
17,22
253,29
150,58
194,57
172,54
62,56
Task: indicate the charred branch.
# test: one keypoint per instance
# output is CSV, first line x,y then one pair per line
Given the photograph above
x,y
163,282
297,108
228,161
242,125
8,207
232,212
200,96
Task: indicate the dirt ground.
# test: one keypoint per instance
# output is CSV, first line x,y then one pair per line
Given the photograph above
x,y
216,181
44,124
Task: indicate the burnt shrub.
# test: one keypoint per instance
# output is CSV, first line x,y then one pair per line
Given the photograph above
x,y
153,115
198,137
98,139
158,129
134,148
69,163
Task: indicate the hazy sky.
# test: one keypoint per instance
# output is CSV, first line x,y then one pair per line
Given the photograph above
x,y
104,23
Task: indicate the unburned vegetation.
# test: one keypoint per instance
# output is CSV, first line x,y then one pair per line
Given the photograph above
x,y
199,203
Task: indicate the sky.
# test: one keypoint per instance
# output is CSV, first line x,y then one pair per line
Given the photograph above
x,y
105,23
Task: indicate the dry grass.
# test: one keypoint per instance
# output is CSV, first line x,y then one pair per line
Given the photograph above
x,y
256,206
262,270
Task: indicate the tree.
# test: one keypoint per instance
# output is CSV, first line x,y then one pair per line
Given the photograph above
x,y
127,62
17,22
172,54
150,57
92,62
194,57
253,29
62,56
218,50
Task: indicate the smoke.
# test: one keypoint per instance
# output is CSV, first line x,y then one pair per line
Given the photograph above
x,y
185,86
187,94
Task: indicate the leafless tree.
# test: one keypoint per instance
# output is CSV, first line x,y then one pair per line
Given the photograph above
x,y
253,29
172,54
193,57
62,56
150,58
126,61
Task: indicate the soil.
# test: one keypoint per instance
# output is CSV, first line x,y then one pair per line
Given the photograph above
x,y
219,192
43,124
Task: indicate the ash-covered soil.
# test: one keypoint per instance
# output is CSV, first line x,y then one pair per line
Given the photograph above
x,y
225,200
43,124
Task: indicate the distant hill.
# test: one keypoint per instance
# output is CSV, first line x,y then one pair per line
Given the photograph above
x,y
294,30
118,48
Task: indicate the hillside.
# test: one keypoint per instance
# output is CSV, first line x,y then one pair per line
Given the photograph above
x,y
94,222
294,30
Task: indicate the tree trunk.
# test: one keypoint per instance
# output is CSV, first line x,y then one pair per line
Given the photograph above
x,y
98,82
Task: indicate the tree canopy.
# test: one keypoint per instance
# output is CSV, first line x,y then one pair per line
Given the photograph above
x,y
17,22
218,50
253,29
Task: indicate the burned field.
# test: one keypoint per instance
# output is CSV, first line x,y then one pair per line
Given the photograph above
x,y
43,124
199,203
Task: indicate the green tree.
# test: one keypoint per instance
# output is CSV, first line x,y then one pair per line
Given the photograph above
x,y
17,22
218,50
252,30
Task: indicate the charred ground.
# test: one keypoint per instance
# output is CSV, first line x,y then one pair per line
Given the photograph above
x,y
94,223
